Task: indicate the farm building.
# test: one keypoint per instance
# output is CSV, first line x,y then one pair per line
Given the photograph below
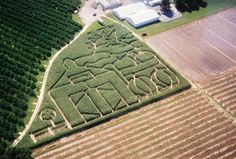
x,y
153,3
124,11
143,18
109,4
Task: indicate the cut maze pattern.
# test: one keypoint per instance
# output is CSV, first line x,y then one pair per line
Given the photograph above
x,y
113,73
119,72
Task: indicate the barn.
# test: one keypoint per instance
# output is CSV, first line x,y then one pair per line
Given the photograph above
x,y
143,18
124,11
109,4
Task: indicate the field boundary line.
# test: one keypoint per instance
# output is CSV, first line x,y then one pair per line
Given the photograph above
x,y
216,104
219,76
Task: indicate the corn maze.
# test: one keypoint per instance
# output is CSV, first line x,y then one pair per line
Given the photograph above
x,y
183,126
112,74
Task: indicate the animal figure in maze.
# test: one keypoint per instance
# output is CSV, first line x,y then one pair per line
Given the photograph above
x,y
119,72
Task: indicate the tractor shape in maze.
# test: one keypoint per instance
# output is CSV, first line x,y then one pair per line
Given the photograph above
x,y
118,72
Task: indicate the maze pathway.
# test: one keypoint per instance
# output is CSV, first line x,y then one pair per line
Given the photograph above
x,y
190,124
186,125
110,72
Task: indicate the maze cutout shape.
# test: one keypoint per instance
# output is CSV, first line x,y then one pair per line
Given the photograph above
x,y
118,72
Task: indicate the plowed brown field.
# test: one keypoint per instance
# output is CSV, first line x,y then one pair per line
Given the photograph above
x,y
202,49
223,90
186,125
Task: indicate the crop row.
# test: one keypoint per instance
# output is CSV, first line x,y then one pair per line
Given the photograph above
x,y
223,90
184,127
30,30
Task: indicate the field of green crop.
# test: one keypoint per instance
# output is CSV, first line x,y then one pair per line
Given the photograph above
x,y
105,73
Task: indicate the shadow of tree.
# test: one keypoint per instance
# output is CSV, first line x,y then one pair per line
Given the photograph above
x,y
190,5
169,13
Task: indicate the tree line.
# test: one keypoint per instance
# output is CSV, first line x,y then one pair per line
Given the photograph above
x,y
190,5
29,29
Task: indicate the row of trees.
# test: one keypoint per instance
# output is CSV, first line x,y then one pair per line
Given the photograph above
x,y
29,29
183,5
190,5
15,153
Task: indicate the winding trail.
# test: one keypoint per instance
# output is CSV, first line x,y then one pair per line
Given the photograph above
x,y
86,14
42,90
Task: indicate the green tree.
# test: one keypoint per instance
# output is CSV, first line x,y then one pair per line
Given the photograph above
x,y
165,5
189,5
17,153
3,146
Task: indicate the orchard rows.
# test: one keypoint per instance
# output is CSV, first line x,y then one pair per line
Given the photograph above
x,y
30,30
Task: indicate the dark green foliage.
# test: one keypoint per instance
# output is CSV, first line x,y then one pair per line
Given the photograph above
x,y
190,5
29,30
17,153
165,5
3,146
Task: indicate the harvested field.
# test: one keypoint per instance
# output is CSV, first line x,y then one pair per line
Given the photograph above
x,y
186,125
223,90
202,49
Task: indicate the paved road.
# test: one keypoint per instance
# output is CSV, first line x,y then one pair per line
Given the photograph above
x,y
87,13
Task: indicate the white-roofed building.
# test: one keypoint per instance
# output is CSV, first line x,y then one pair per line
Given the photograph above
x,y
143,18
153,3
109,4
124,11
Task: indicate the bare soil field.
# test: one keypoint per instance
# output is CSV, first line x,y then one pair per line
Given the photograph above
x,y
186,125
202,49
223,90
